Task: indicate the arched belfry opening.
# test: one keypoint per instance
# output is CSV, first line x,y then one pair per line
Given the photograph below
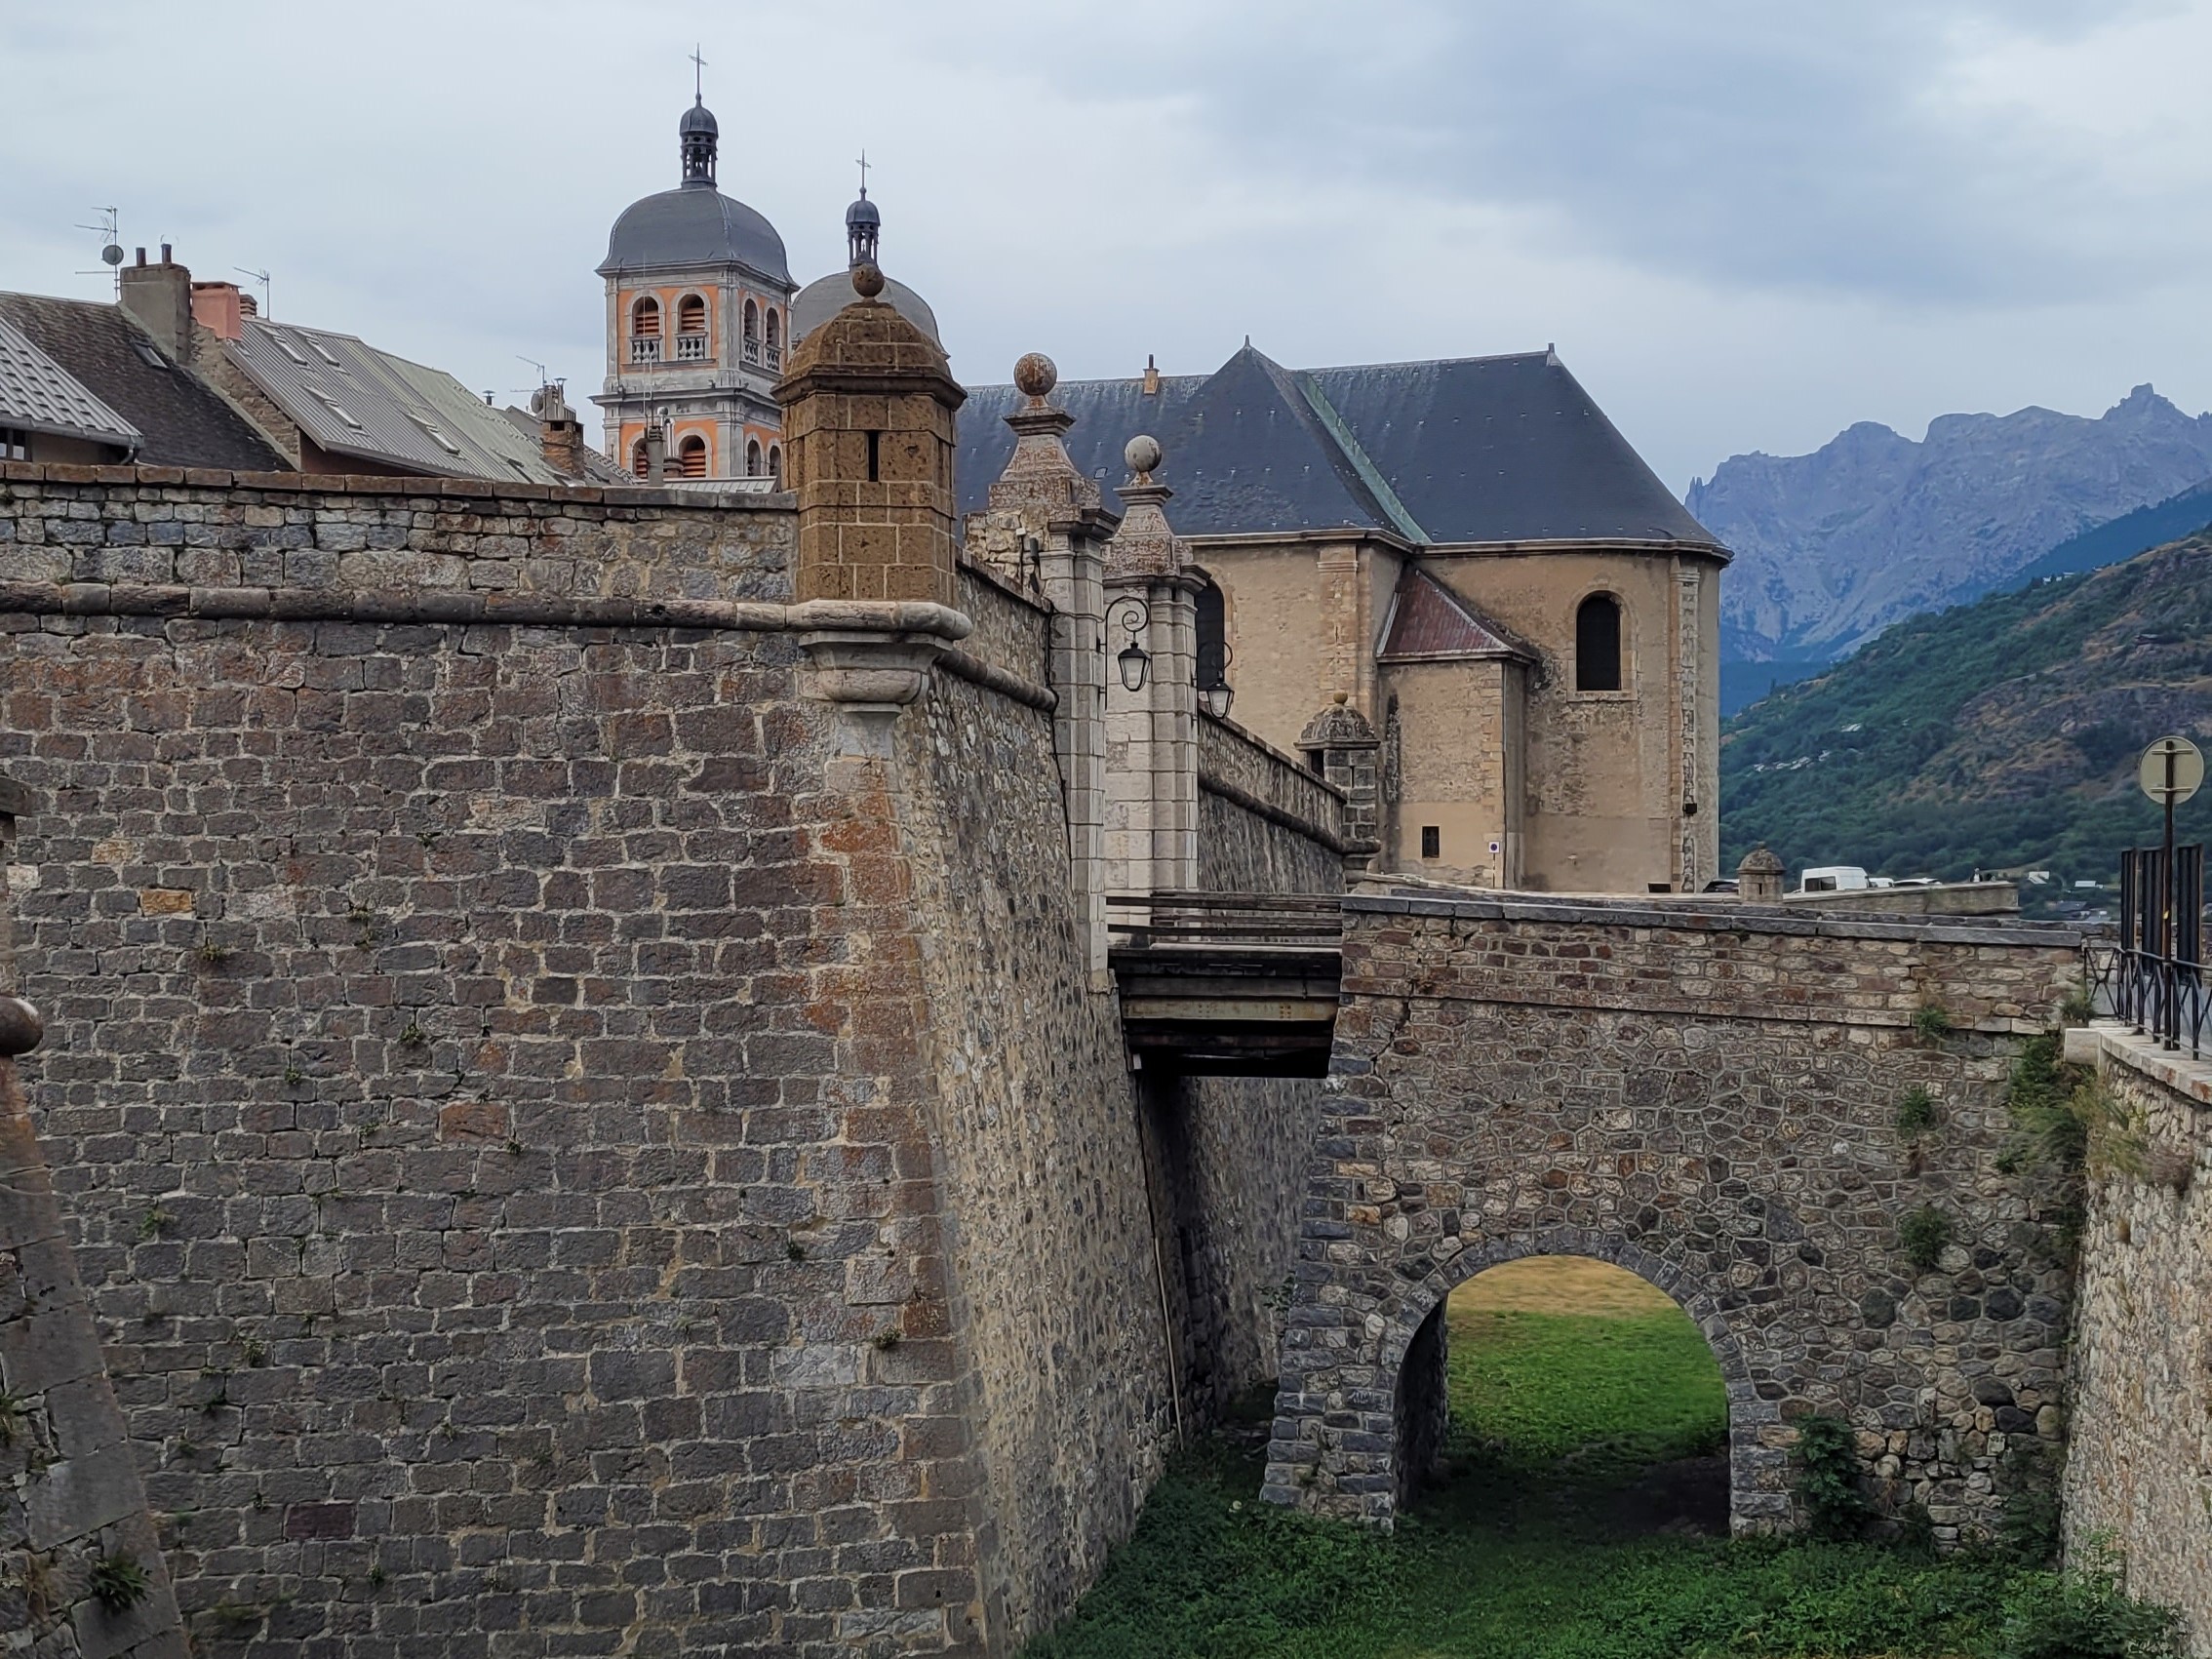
x,y
1522,1364
1597,644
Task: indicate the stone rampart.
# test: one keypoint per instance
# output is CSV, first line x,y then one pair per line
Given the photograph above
x,y
564,1155
1266,824
81,1570
2140,1469
1711,1099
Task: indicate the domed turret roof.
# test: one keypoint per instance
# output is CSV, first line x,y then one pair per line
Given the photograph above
x,y
694,223
693,226
825,297
862,212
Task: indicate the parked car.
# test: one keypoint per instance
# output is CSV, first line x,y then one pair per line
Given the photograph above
x,y
1834,878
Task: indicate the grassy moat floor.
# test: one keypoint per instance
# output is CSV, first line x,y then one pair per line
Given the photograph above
x,y
1584,1517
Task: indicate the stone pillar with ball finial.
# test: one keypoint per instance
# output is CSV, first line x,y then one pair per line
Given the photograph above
x,y
1151,655
1051,519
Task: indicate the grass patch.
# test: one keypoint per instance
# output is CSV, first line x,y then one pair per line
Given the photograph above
x,y
1550,1537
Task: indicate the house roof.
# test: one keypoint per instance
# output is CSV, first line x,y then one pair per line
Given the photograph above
x,y
39,395
353,399
1472,449
1428,622
178,418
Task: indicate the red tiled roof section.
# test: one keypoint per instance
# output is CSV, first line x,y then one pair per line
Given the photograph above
x,y
1427,619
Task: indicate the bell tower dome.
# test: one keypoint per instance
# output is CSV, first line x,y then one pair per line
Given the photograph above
x,y
700,135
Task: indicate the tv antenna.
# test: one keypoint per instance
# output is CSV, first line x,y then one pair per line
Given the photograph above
x,y
261,277
110,247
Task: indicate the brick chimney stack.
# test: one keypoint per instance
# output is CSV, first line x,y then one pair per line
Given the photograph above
x,y
221,310
159,299
559,434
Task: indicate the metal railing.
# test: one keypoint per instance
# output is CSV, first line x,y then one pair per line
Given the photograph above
x,y
1298,921
2153,977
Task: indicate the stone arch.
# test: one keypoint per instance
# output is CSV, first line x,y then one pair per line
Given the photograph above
x,y
1753,1422
1601,642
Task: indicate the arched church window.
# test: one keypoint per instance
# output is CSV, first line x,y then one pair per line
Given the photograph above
x,y
752,334
641,459
776,463
752,458
775,340
692,452
1212,637
644,331
1597,644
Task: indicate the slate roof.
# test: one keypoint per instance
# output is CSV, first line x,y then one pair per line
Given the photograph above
x,y
180,420
693,224
825,297
1428,622
353,399
1472,449
38,395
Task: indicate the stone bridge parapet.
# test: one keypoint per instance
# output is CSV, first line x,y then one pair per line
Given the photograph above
x,y
1706,1094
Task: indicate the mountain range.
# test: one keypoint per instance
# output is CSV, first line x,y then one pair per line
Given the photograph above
x,y
1834,546
2004,732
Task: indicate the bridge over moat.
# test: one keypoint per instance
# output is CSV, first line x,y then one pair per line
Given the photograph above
x,y
1707,1096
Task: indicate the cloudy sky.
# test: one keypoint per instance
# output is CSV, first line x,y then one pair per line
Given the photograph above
x,y
1747,224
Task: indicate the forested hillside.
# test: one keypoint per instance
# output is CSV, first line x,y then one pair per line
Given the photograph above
x,y
1998,734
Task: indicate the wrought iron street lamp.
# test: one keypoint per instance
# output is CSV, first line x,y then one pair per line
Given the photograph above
x,y
1133,660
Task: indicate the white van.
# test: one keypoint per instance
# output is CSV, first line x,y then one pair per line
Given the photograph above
x,y
1833,878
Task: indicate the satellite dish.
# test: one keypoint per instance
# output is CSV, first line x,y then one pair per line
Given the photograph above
x,y
112,254
537,401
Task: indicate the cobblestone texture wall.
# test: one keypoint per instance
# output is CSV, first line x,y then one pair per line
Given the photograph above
x,y
2139,1466
1011,632
74,1515
1708,1099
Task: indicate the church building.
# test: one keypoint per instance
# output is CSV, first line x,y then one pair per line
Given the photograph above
x,y
1463,560
698,313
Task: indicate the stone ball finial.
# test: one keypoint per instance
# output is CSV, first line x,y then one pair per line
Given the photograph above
x,y
1036,375
867,281
1143,455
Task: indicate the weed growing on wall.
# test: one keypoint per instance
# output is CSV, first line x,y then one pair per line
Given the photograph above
x,y
2083,1613
1915,1113
1932,1022
1828,1477
118,1583
1923,1234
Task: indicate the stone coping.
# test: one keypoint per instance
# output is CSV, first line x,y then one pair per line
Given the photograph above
x,y
1710,917
380,484
2188,1078
1246,734
991,578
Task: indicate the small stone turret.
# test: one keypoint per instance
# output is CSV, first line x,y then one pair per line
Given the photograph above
x,y
1345,751
1760,877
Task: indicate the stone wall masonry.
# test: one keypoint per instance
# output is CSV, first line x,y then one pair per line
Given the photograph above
x,y
71,1504
1266,824
2140,1468
1054,1257
1012,632
160,527
1710,1101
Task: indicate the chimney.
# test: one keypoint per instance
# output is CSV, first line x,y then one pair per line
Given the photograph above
x,y
159,299
1151,376
221,310
655,451
559,434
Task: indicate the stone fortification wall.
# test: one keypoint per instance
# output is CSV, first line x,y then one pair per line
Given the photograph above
x,y
1050,1241
1710,1100
2140,1467
1266,824
1013,633
561,1154
163,528
73,1517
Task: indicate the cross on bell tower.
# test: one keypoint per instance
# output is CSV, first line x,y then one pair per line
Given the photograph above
x,y
698,130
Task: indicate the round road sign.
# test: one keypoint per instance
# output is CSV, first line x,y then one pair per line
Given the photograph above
x,y
2172,770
